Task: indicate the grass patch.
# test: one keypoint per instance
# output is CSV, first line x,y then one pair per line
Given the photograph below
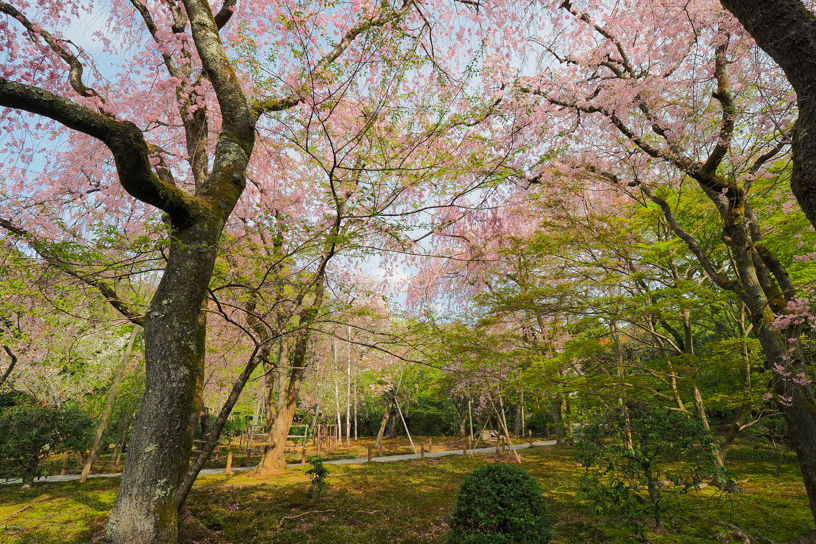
x,y
409,501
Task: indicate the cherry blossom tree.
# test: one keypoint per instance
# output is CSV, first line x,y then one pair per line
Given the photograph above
x,y
173,128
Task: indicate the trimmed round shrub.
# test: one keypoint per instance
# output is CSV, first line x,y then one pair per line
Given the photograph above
x,y
500,503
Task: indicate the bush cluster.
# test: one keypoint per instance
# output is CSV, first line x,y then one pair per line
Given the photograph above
x,y
31,429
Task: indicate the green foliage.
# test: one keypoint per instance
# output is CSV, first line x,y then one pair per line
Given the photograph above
x,y
640,459
539,421
497,504
431,416
30,430
319,475
125,407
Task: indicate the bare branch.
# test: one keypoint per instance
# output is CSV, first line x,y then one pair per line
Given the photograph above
x,y
299,95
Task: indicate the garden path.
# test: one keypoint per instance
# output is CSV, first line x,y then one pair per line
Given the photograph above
x,y
356,461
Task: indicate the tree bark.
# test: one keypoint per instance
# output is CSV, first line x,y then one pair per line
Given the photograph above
x,y
392,422
558,422
389,408
158,456
273,460
786,30
797,402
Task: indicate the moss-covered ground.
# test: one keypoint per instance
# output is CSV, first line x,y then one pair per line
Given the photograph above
x,y
408,502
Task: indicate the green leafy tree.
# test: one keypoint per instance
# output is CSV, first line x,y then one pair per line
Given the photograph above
x,y
640,459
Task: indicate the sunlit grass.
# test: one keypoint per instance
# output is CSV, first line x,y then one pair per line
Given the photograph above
x,y
409,501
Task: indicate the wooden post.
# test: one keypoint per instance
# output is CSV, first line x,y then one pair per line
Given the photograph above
x,y
249,456
464,448
228,471
369,453
379,452
498,446
303,456
422,451
318,441
470,441
430,444
531,439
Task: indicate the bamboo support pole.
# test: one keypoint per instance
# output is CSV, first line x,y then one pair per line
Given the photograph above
x,y
103,422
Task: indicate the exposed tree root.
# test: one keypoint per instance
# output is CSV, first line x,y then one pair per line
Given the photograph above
x,y
284,518
747,538
26,507
191,529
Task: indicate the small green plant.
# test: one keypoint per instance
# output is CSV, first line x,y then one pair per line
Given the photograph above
x,y
775,431
499,504
639,459
319,474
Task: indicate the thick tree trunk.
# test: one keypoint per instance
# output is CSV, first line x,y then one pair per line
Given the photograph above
x,y
392,423
273,378
796,401
558,422
786,30
273,460
160,444
389,408
30,471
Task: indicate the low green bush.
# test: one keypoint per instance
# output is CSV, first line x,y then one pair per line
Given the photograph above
x,y
31,429
498,504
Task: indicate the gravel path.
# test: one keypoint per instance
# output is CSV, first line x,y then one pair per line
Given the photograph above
x,y
357,461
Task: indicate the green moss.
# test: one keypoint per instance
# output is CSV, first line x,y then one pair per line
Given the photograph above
x,y
409,502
